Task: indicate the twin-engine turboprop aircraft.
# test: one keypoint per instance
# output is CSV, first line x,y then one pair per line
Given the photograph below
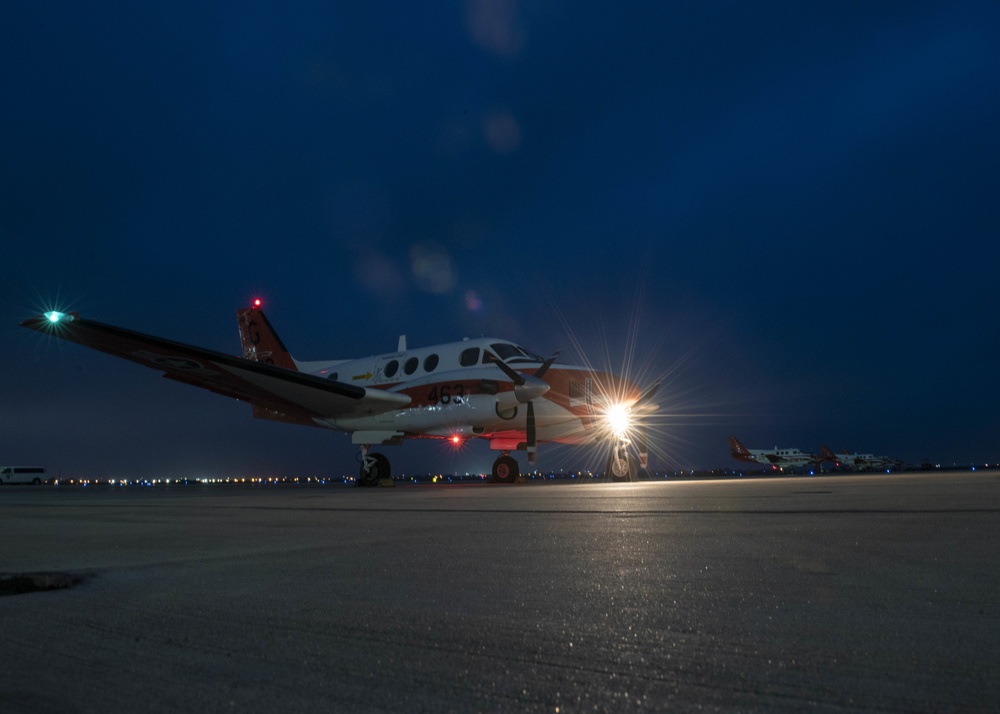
x,y
860,462
776,458
481,388
794,458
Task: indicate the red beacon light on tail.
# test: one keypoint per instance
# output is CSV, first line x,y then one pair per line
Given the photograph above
x,y
257,302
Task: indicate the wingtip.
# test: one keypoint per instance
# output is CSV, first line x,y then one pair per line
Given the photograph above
x,y
49,320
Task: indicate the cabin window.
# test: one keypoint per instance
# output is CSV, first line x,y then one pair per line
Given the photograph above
x,y
391,368
430,363
469,357
410,366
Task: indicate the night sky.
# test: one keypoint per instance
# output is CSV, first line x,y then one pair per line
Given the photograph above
x,y
789,211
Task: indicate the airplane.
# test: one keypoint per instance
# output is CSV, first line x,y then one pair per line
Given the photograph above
x,y
860,462
776,458
485,388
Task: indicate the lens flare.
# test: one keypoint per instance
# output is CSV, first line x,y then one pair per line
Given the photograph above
x,y
55,317
619,420
646,392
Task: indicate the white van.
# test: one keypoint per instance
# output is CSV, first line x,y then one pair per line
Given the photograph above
x,y
22,474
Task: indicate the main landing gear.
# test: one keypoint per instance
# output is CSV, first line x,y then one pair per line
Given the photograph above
x,y
505,468
374,468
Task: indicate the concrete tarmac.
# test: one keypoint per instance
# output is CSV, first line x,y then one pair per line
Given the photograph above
x,y
859,592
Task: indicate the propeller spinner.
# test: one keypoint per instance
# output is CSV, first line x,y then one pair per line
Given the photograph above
x,y
527,388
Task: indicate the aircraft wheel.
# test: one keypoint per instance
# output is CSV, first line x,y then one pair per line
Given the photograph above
x,y
378,470
505,470
622,466
36,482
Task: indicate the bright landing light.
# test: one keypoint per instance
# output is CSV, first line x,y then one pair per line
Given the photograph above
x,y
619,420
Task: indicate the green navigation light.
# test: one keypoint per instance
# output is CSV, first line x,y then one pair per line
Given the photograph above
x,y
55,316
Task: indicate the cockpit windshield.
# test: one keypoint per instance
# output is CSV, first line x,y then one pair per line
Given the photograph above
x,y
513,354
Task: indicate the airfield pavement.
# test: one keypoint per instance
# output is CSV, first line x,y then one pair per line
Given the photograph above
x,y
857,592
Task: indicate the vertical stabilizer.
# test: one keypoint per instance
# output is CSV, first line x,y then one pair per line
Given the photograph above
x,y
738,451
260,342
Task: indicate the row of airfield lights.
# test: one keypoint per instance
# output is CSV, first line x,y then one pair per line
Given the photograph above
x,y
314,480
429,478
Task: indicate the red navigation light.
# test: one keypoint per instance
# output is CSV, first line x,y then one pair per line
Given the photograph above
x,y
456,440
256,303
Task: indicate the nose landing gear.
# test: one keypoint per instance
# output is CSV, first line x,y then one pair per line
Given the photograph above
x,y
622,466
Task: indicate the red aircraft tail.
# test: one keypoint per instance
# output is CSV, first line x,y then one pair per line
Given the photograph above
x,y
739,452
260,342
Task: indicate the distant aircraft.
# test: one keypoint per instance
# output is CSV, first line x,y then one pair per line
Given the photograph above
x,y
776,458
860,462
483,388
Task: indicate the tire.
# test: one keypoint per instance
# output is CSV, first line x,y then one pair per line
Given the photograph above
x,y
379,470
36,482
505,470
622,466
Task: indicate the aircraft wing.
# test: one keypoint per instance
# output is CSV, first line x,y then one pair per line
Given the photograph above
x,y
299,397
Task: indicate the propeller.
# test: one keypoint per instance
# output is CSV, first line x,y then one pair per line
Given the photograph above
x,y
529,434
649,393
527,388
645,407
546,364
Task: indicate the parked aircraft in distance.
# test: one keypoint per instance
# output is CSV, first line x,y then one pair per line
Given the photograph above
x,y
482,388
776,458
859,462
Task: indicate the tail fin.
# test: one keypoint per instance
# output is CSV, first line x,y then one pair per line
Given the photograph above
x,y
827,454
260,342
739,451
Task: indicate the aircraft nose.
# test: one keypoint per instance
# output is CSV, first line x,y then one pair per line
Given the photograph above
x,y
532,388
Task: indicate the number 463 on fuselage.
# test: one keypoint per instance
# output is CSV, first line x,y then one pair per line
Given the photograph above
x,y
484,388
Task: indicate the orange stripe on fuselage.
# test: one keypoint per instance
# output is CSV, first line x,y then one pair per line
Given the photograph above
x,y
583,393
444,392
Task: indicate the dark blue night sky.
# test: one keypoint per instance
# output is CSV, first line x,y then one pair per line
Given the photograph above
x,y
796,204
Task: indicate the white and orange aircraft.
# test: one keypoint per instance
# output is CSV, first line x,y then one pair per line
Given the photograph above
x,y
776,458
482,388
859,462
